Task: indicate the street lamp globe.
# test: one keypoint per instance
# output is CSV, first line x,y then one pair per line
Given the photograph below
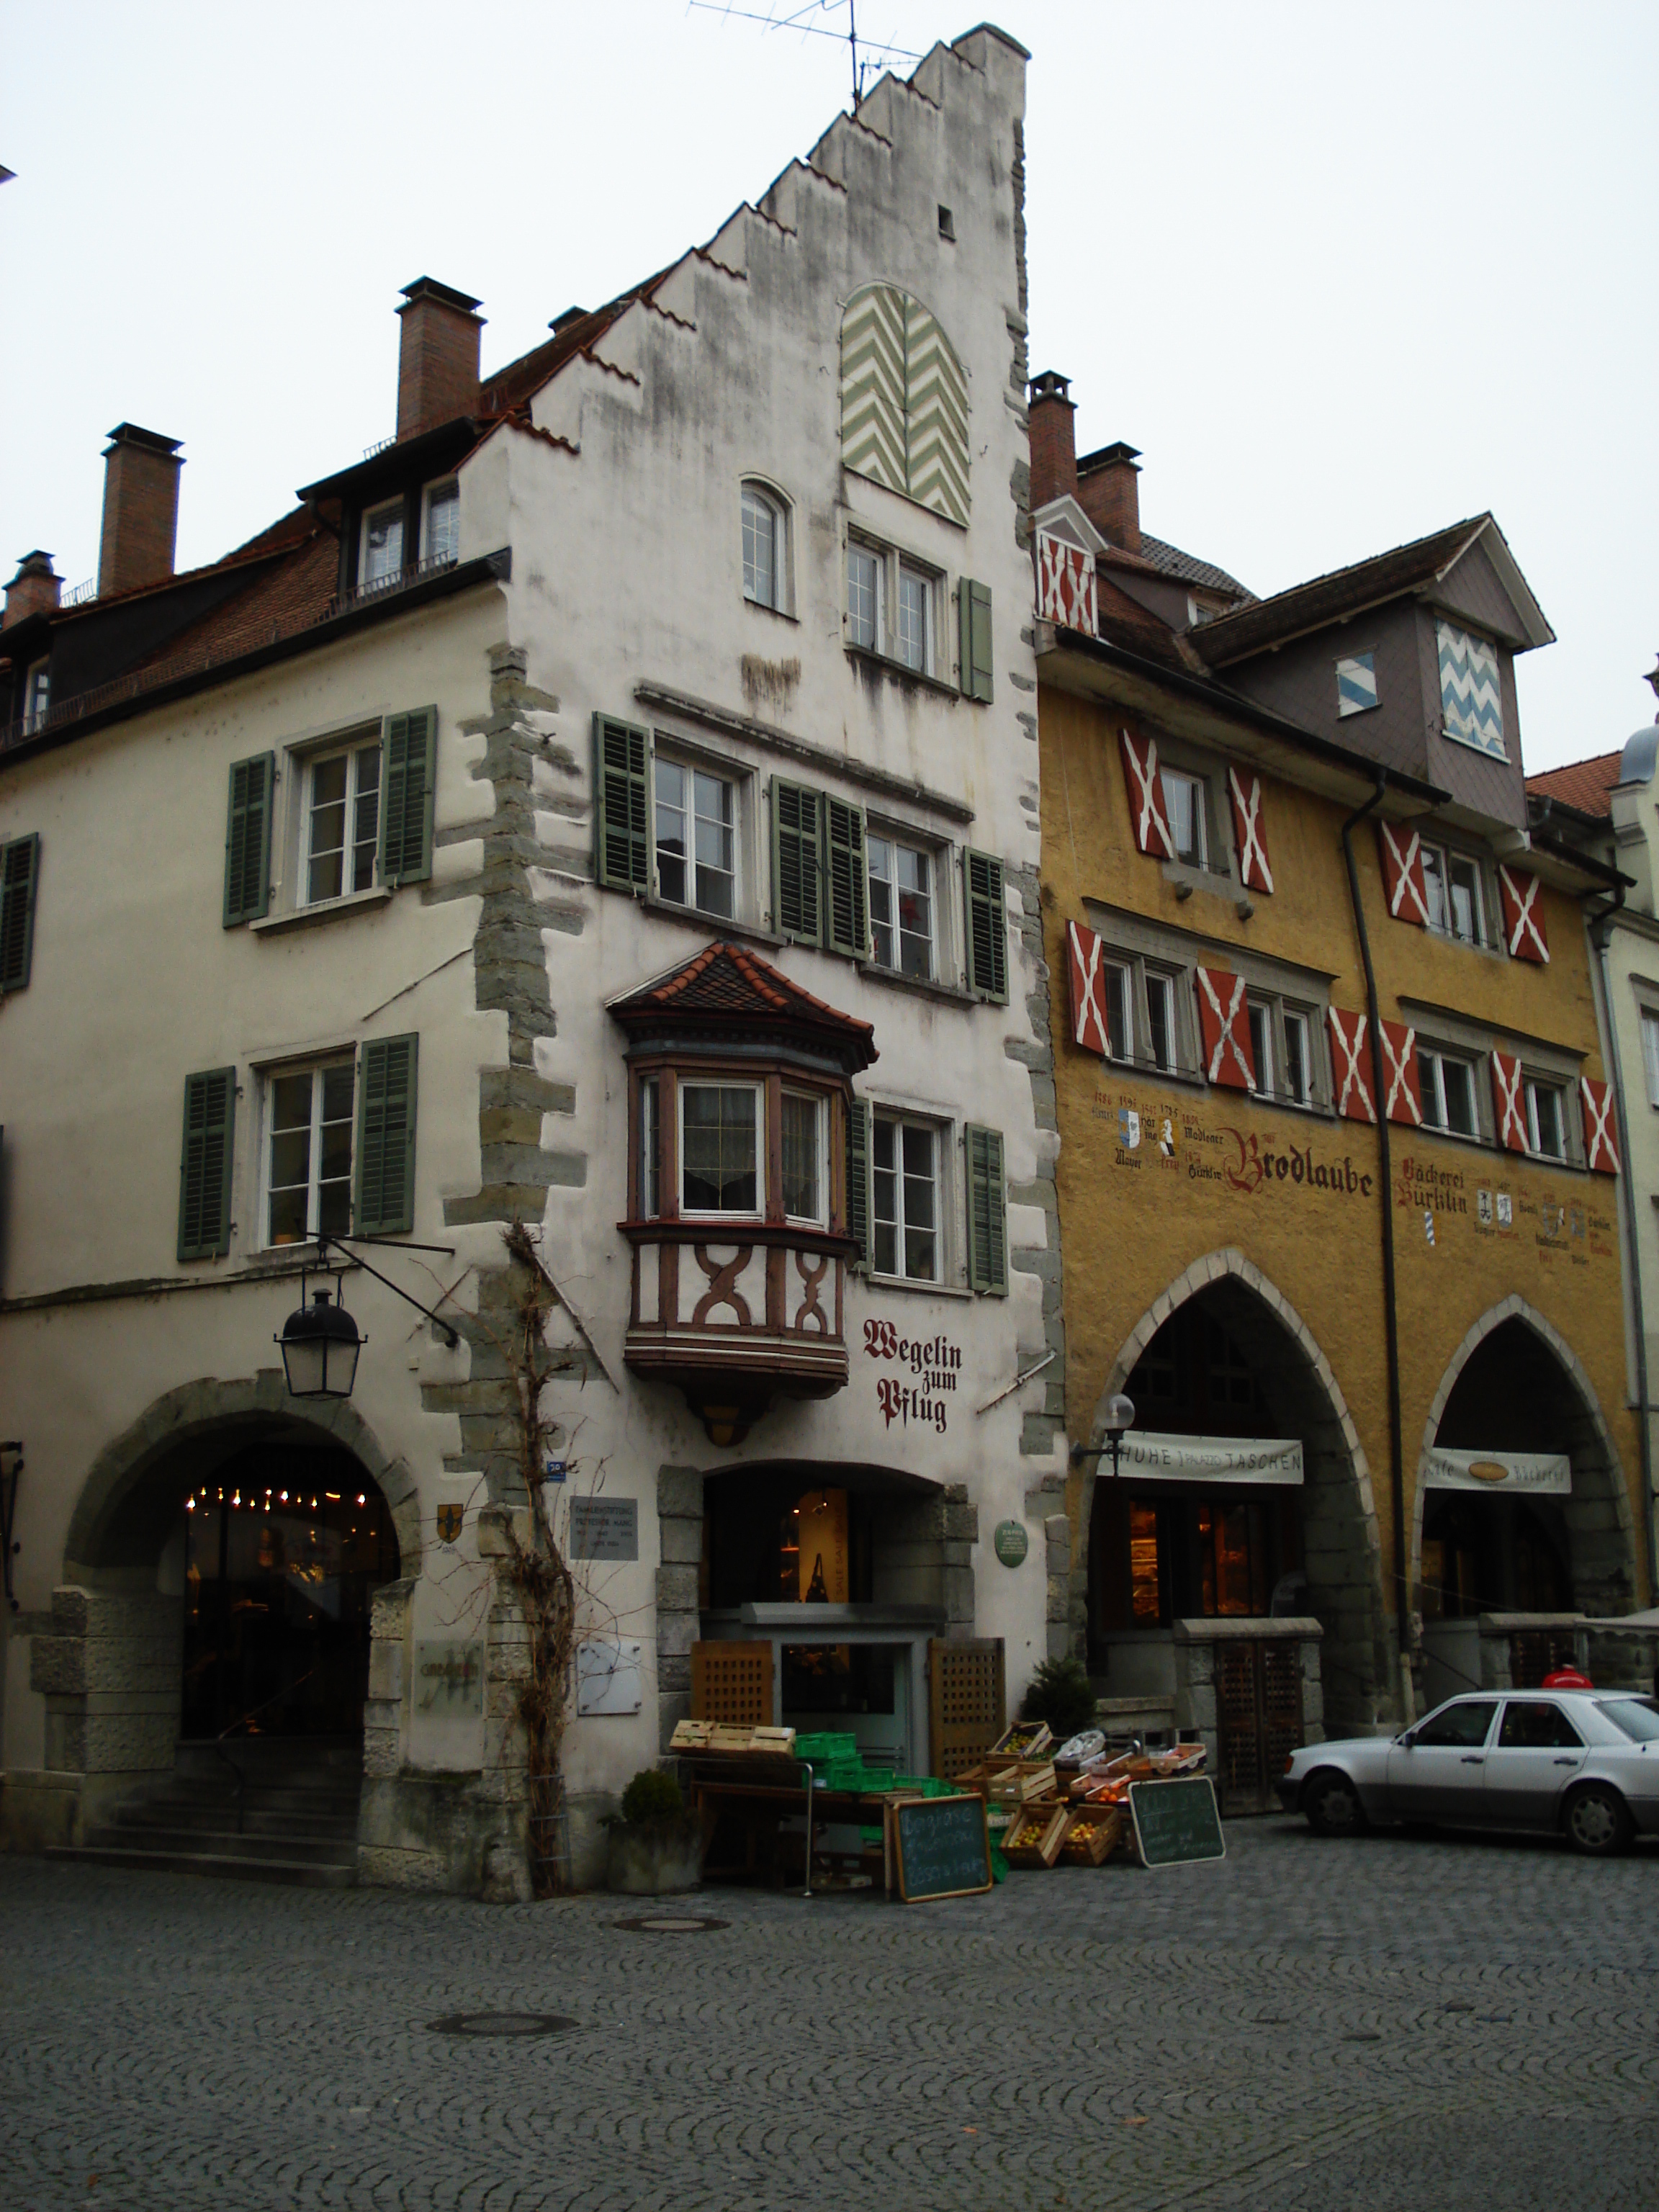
x,y
319,1344
1120,1415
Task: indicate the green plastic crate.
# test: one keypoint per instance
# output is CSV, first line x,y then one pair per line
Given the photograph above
x,y
827,1744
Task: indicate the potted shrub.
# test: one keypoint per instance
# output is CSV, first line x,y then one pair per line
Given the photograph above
x,y
656,1847
1061,1694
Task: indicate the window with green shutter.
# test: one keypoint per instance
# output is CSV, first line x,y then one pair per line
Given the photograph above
x,y
409,755
987,1213
973,611
20,871
621,803
858,1178
205,1164
796,861
988,926
385,1203
247,840
849,890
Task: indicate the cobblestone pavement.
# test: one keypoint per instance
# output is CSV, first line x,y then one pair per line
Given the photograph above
x,y
1308,2028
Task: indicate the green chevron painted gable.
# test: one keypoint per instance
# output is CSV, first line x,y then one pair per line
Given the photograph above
x,y
903,401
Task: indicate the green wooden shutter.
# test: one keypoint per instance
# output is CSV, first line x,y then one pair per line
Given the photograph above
x,y
848,900
796,861
247,840
858,1178
987,1213
621,803
409,773
385,1196
988,927
974,610
205,1164
19,870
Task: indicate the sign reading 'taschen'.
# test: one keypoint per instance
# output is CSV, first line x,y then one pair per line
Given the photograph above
x,y
1210,1459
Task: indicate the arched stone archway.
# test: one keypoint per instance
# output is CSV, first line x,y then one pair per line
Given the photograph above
x,y
110,1670
201,1424
1597,1515
1341,1543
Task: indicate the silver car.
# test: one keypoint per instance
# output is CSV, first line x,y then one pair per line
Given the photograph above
x,y
1583,1764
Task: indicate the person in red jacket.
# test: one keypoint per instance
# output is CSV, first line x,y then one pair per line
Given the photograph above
x,y
1566,1678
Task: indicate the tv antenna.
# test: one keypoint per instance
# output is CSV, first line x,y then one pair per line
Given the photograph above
x,y
876,52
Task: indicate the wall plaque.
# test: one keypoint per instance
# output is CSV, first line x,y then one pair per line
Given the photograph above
x,y
449,1680
604,1528
1010,1542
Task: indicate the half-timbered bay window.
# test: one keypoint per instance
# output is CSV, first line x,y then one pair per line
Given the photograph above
x,y
737,1207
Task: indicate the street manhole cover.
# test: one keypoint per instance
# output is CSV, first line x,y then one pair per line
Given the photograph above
x,y
503,2023
672,1924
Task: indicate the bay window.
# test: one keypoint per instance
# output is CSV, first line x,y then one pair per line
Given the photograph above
x,y
720,1153
804,1178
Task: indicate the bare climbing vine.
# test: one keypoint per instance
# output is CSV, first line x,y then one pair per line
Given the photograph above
x,y
536,1570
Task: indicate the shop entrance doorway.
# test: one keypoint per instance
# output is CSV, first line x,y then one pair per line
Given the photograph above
x,y
279,1554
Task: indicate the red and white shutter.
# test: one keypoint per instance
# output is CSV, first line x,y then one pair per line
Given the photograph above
x,y
1083,955
1147,813
1402,872
1065,584
1523,917
1509,1100
1600,1140
1224,1025
1402,1090
1244,789
1351,1066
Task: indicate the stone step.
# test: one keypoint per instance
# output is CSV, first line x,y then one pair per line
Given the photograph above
x,y
225,1843
300,1874
143,1815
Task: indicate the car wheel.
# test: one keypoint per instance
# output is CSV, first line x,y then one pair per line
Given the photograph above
x,y
1597,1821
1332,1803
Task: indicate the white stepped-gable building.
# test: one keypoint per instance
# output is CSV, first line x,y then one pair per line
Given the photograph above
x,y
611,806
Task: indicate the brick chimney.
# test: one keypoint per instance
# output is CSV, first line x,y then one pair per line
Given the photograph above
x,y
1109,491
437,356
1054,438
141,508
33,591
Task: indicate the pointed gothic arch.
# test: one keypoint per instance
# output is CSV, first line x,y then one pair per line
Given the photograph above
x,y
1342,1544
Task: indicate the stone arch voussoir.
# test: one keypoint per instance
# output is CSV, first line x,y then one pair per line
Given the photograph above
x,y
195,1410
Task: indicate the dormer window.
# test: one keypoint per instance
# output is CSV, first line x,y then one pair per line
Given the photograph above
x,y
441,538
383,544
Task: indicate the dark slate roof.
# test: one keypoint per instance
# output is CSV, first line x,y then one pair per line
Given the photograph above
x,y
1325,598
1188,568
727,986
1587,784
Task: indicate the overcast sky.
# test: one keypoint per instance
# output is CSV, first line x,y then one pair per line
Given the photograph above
x,y
1344,273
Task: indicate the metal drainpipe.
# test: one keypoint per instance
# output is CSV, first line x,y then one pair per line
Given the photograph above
x,y
1599,930
1390,1322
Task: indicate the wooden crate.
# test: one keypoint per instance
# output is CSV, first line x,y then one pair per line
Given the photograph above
x,y
1093,1836
1024,1740
1049,1826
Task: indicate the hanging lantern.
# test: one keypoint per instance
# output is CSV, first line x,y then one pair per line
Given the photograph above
x,y
320,1344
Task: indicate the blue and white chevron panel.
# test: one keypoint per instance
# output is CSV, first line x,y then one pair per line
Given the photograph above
x,y
1356,684
1471,701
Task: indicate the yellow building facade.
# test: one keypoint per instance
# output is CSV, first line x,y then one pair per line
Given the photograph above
x,y
1237,1220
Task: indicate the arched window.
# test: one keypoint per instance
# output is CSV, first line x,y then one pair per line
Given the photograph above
x,y
903,401
765,547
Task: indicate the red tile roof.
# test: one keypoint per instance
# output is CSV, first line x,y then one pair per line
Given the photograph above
x,y
727,984
1585,784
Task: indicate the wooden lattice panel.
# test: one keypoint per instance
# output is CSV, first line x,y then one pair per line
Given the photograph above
x,y
967,1697
732,1683
1236,1714
1281,1712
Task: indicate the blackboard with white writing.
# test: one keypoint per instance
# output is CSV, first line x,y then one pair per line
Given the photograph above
x,y
1176,1822
943,1848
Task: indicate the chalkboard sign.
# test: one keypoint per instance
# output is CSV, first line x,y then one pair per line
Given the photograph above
x,y
1176,1822
943,1848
